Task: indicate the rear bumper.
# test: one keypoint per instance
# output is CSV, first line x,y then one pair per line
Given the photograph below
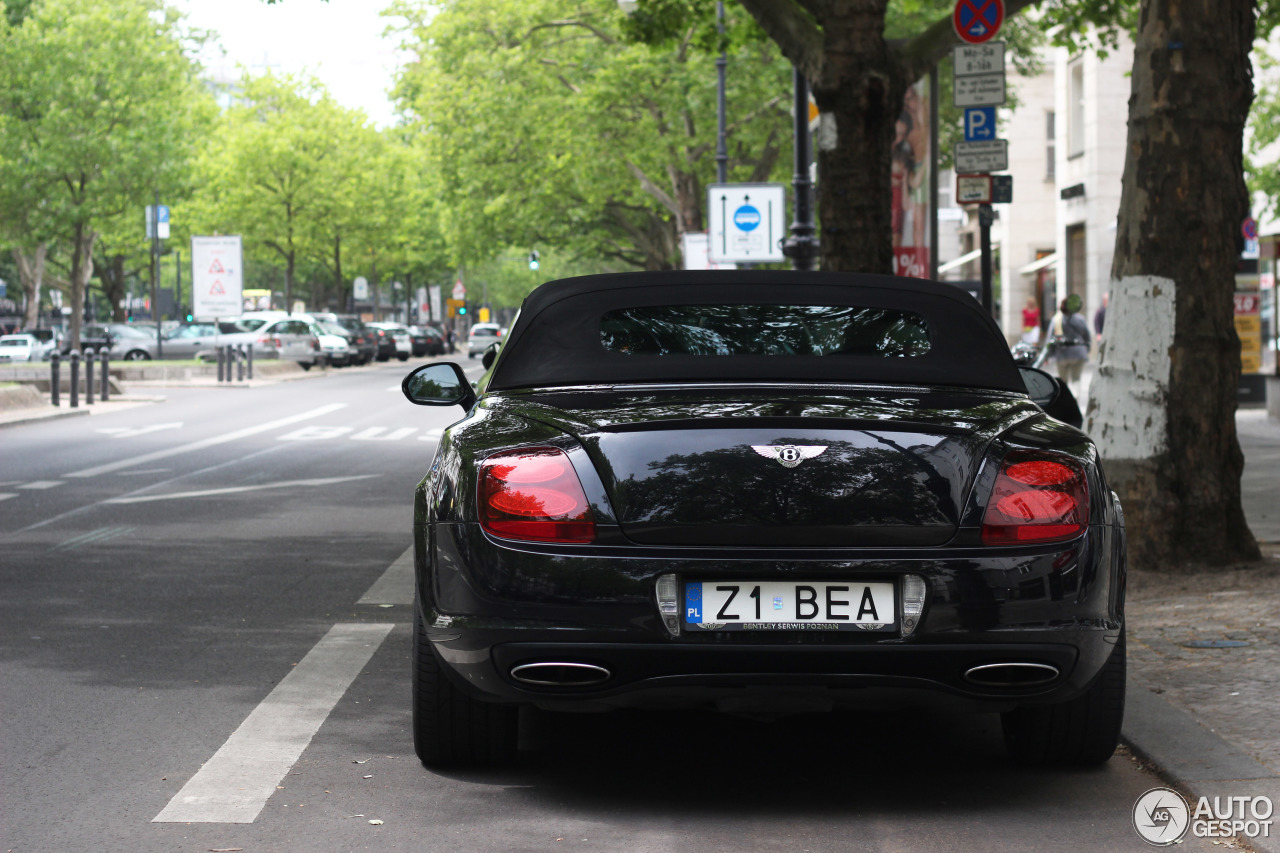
x,y
489,609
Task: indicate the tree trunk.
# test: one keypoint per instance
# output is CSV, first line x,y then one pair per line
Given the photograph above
x,y
31,275
81,271
1162,407
111,274
859,93
338,287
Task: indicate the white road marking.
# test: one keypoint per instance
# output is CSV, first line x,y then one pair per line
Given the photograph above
x,y
42,484
207,442
315,433
93,537
82,509
145,471
231,490
396,584
235,784
395,388
432,434
6,495
375,434
130,432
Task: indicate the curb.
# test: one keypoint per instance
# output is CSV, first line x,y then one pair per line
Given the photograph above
x,y
1193,758
41,415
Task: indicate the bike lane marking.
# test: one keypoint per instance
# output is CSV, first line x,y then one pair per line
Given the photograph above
x,y
234,785
206,442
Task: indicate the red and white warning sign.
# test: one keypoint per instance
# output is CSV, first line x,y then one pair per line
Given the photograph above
x,y
217,277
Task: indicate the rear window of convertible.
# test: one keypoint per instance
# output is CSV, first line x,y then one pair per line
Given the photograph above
x,y
768,330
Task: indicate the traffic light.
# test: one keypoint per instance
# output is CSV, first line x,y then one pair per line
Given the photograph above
x,y
462,309
533,259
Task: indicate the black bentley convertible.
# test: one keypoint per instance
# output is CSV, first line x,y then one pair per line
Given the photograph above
x,y
763,492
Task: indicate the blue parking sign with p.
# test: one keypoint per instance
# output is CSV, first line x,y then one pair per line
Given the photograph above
x,y
979,124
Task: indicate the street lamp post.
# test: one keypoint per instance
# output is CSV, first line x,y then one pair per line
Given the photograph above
x,y
802,246
722,62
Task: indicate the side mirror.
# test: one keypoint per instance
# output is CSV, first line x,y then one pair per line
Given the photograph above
x,y
1052,395
490,354
1041,387
439,384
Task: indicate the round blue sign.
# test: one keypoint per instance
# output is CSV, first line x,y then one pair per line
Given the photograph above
x,y
747,218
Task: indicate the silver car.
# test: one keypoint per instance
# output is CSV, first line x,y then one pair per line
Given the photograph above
x,y
481,337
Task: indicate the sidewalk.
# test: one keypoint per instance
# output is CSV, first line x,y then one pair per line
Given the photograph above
x,y
1204,655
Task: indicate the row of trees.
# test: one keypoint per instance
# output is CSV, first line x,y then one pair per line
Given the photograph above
x,y
569,125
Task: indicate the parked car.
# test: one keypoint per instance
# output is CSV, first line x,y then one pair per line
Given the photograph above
x,y
763,492
19,347
480,337
48,340
399,335
435,340
189,340
334,342
363,340
288,337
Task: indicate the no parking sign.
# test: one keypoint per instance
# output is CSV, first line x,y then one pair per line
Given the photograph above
x,y
977,21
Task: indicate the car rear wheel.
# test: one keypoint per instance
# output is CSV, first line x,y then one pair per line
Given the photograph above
x,y
450,729
137,355
1081,732
403,356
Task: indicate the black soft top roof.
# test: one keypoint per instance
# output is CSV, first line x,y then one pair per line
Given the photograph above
x,y
557,339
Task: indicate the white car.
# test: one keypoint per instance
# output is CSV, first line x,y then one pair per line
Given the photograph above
x,y
19,348
481,337
333,342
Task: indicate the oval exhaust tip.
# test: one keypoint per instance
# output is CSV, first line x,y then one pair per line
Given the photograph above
x,y
1018,674
560,674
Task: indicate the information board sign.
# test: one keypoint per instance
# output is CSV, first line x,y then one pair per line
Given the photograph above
x,y
747,223
217,277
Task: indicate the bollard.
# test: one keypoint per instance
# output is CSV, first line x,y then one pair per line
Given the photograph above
x,y
106,377
222,358
240,363
89,365
55,377
249,358
75,379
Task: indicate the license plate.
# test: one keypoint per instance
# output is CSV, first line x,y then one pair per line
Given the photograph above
x,y
790,606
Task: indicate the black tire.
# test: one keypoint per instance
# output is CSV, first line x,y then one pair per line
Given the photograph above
x,y
403,356
1078,733
450,729
305,365
137,355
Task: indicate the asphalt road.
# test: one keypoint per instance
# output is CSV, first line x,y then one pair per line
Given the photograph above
x,y
204,645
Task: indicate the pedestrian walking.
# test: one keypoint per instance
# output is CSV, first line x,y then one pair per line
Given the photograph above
x,y
1031,322
1100,316
1069,337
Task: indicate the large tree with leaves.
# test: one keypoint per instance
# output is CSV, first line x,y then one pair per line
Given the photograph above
x,y
546,127
100,107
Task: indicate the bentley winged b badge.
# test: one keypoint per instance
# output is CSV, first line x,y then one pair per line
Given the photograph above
x,y
789,455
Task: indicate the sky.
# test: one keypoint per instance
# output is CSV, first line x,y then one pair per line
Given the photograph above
x,y
340,42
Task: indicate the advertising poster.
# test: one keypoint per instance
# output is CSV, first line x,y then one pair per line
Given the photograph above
x,y
912,215
217,278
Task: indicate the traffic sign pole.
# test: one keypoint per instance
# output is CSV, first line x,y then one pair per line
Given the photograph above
x,y
985,217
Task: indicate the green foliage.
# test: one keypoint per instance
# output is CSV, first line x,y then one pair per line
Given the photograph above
x,y
1261,165
544,126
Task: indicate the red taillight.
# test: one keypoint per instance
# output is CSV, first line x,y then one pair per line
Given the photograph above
x,y
534,495
1036,500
